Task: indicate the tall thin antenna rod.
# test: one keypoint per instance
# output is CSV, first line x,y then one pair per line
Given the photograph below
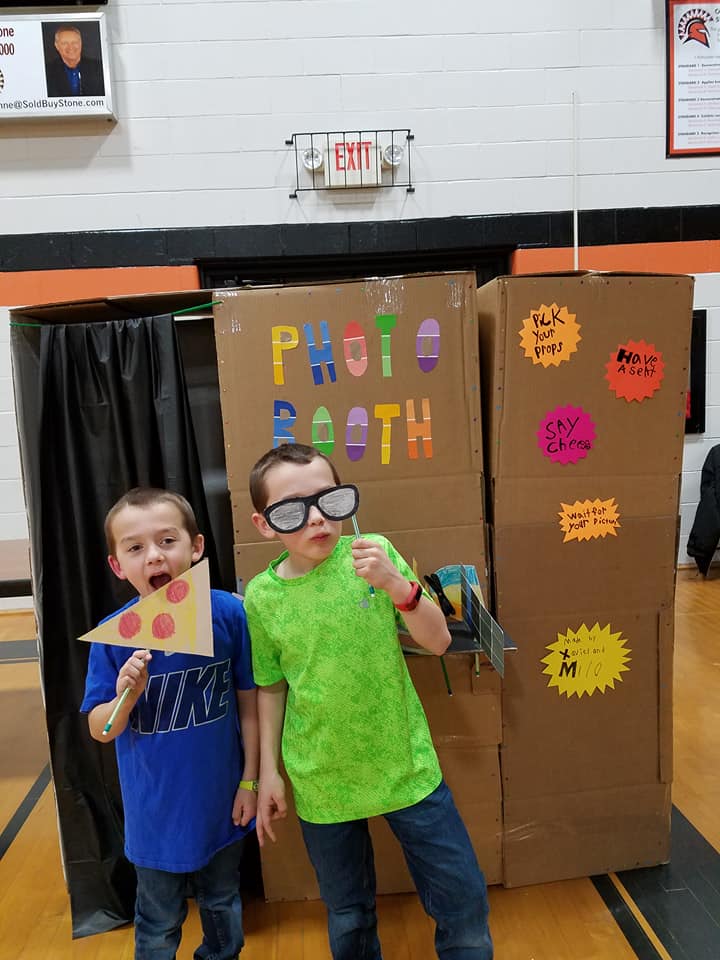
x,y
576,244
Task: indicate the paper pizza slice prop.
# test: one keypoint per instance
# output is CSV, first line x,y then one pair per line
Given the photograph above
x,y
176,618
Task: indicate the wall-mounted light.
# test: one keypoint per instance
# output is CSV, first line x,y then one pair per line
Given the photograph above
x,y
392,155
312,159
351,159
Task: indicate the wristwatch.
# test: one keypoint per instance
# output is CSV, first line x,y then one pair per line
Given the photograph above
x,y
413,598
248,785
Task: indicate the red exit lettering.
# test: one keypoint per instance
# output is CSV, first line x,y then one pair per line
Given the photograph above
x,y
353,155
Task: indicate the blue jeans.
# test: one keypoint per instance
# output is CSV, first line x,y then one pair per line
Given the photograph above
x,y
161,908
441,861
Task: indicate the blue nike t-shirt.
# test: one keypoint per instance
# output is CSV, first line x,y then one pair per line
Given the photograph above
x,y
180,757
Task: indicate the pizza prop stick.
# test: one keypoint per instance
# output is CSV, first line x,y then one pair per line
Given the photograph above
x,y
176,618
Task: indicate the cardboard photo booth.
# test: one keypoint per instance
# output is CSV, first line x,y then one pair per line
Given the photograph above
x,y
532,429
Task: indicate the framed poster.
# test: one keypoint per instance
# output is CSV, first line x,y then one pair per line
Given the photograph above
x,y
693,78
54,65
695,409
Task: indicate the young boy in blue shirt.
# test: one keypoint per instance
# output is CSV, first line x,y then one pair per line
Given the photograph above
x,y
333,685
185,737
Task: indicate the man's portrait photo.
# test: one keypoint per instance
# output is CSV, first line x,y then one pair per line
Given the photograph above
x,y
73,59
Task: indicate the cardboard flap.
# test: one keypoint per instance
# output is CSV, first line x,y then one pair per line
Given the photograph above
x,y
580,834
531,500
472,714
104,309
589,274
538,572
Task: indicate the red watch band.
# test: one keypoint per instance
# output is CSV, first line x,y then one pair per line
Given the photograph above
x,y
413,598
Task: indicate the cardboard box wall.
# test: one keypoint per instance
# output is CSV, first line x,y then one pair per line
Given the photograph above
x,y
610,308
431,507
430,494
585,743
585,778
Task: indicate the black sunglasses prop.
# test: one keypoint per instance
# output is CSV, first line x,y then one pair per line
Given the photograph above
x,y
335,503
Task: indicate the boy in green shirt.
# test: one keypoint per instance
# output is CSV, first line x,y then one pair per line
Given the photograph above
x,y
333,685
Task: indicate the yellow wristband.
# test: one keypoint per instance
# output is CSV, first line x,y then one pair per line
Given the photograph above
x,y
248,785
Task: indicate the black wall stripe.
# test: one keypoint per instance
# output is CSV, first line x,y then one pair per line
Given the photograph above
x,y
503,232
15,588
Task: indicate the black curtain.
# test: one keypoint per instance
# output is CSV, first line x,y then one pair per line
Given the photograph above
x,y
102,407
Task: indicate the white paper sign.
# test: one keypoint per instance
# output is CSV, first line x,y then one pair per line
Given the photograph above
x,y
693,38
54,66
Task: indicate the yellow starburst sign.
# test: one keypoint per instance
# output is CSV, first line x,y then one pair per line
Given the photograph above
x,y
589,519
549,335
585,660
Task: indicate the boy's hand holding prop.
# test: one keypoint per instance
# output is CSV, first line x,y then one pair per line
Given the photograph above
x,y
116,710
176,618
132,678
356,528
372,563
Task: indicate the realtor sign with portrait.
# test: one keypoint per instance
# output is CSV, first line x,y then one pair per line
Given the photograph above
x,y
54,65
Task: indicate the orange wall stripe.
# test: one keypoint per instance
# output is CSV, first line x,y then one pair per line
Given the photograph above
x,y
32,287
692,256
55,286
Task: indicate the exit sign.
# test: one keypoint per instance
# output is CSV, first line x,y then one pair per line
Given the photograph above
x,y
352,162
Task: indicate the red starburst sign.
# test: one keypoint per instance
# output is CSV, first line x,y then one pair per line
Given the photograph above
x,y
635,370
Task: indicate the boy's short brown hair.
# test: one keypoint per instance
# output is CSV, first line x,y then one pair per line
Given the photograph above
x,y
147,497
285,453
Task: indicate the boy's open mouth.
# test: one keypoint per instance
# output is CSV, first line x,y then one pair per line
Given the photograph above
x,y
159,580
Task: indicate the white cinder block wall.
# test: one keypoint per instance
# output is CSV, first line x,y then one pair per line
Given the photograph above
x,y
13,523
206,93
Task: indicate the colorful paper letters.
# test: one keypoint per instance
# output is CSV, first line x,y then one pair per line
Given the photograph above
x,y
356,359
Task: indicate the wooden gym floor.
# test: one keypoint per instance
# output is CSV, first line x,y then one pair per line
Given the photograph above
x,y
665,912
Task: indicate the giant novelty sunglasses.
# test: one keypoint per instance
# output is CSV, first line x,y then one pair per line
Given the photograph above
x,y
291,515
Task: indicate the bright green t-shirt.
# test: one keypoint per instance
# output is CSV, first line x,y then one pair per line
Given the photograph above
x,y
355,741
